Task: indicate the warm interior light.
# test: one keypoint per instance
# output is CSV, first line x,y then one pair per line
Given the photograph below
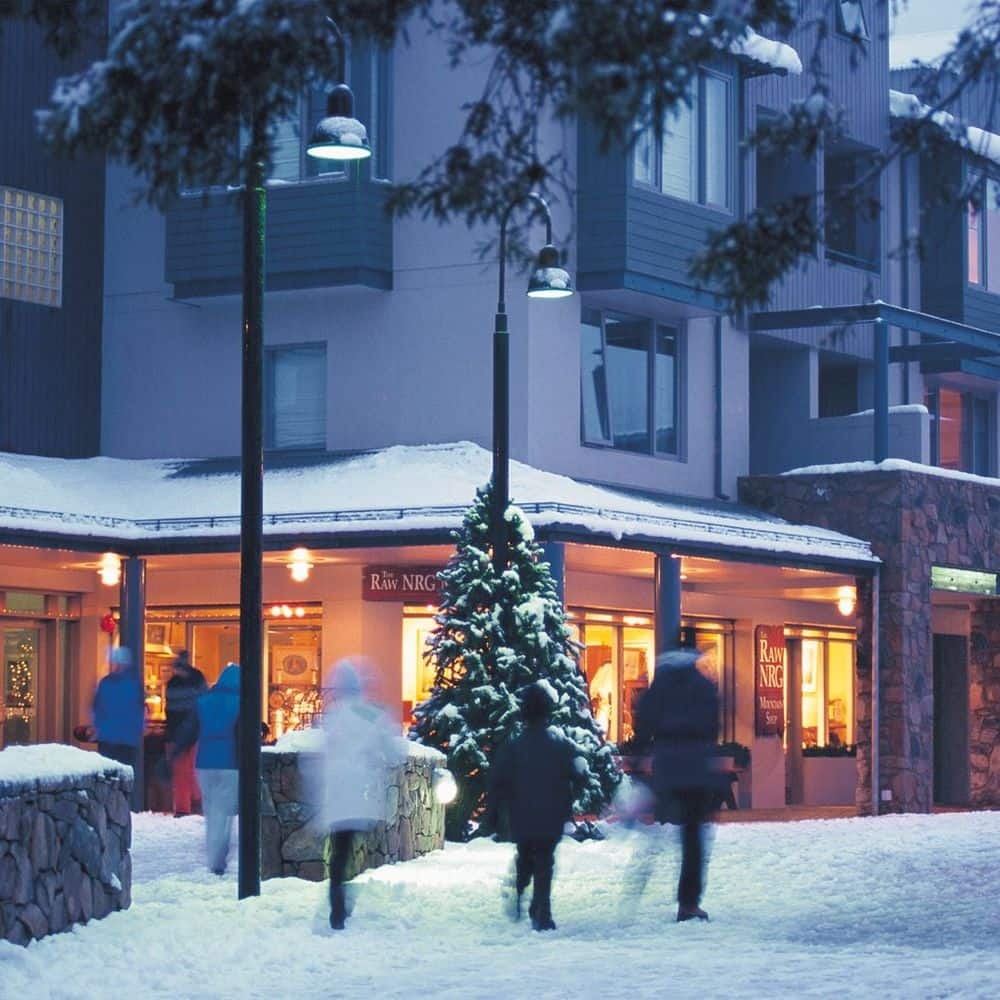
x,y
300,612
286,610
299,565
635,620
111,570
276,611
846,601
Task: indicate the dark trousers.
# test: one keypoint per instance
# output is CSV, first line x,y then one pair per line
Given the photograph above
x,y
342,840
121,752
691,810
535,861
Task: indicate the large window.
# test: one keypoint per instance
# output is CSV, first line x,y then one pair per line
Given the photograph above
x,y
31,247
690,156
630,383
295,397
853,218
983,257
827,688
961,430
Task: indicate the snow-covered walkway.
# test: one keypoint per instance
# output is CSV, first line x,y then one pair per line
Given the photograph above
x,y
895,907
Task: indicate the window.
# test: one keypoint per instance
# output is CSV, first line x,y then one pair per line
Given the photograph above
x,y
838,387
961,430
983,259
852,206
295,397
827,692
31,247
380,107
851,19
630,377
690,156
783,174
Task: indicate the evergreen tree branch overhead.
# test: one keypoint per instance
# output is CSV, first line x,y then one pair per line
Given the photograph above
x,y
182,78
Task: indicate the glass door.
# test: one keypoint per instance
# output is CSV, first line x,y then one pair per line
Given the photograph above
x,y
19,684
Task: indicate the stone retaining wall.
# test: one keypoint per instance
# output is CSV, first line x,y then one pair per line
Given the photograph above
x,y
64,851
291,845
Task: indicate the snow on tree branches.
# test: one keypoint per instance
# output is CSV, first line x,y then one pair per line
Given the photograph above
x,y
493,638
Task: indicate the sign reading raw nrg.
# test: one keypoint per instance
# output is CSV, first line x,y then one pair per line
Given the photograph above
x,y
407,584
769,644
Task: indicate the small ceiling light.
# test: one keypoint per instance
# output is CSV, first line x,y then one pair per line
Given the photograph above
x,y
549,279
275,610
299,565
300,612
846,601
111,570
339,136
286,610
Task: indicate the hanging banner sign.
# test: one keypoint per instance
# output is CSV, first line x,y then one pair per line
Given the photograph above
x,y
769,652
405,584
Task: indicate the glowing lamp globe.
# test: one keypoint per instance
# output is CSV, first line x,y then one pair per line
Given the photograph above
x,y
444,785
549,279
339,136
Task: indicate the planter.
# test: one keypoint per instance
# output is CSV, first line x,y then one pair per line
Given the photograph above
x,y
829,781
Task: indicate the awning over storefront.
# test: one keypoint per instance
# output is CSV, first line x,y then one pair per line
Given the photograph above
x,y
398,495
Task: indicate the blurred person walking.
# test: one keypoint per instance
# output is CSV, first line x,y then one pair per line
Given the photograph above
x,y
183,691
679,716
218,763
532,779
360,745
119,710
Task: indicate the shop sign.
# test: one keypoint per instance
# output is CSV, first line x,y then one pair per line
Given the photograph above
x,y
406,584
769,646
966,581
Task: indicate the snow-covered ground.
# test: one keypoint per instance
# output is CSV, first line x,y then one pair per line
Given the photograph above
x,y
895,907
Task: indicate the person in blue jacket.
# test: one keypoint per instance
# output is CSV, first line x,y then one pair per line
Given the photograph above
x,y
119,709
218,762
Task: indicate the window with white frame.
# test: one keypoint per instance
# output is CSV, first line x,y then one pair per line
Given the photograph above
x,y
31,247
690,155
851,19
295,397
630,383
983,235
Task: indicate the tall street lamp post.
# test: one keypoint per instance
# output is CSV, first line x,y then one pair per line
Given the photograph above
x,y
339,136
549,280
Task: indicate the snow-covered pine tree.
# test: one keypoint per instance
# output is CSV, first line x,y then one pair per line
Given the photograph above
x,y
494,637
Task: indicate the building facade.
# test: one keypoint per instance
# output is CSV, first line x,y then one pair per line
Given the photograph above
x,y
639,409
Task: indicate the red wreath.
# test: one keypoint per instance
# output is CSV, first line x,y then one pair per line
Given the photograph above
x,y
108,623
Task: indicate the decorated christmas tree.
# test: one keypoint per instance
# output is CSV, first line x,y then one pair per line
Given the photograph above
x,y
494,637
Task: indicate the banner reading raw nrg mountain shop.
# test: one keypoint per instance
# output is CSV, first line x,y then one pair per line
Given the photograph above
x,y
412,584
769,647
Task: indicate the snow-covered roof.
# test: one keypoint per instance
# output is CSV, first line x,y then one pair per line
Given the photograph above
x,y
394,490
920,47
768,52
975,140
51,763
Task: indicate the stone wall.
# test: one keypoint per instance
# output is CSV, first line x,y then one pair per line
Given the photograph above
x,y
291,844
913,520
64,851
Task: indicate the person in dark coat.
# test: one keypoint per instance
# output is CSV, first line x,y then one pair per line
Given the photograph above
x,y
183,691
119,711
679,715
533,779
218,763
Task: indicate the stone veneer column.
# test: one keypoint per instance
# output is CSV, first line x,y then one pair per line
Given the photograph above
x,y
984,705
863,666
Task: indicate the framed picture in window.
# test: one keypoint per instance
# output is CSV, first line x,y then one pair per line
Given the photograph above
x,y
293,666
156,635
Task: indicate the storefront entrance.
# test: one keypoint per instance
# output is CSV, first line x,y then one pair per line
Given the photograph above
x,y
22,659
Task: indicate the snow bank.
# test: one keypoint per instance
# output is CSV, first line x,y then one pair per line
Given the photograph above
x,y
892,465
52,762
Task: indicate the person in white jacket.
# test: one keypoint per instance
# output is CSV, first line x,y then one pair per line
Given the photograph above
x,y
361,745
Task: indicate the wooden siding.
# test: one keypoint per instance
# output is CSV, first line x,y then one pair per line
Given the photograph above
x,y
862,90
50,358
318,233
942,227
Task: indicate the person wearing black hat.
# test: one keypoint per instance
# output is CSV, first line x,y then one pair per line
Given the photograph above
x,y
533,779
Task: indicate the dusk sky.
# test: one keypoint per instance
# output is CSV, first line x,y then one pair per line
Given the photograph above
x,y
931,15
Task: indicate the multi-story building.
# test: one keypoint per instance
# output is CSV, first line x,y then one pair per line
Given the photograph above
x,y
642,414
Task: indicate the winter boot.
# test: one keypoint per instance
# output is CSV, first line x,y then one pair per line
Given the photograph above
x,y
338,907
690,913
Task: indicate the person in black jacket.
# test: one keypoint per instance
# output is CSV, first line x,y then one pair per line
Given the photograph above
x,y
679,715
183,691
533,779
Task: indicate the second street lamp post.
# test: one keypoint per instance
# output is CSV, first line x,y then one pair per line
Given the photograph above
x,y
549,280
339,136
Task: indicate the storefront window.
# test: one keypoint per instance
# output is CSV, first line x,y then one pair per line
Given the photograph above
x,y
827,688
619,658
418,669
